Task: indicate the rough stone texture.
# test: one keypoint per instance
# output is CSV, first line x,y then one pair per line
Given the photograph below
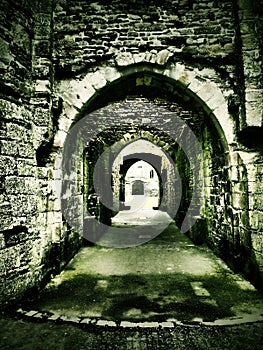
x,y
86,33
251,30
61,59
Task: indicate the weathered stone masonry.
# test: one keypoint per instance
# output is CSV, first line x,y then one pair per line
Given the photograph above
x,y
60,60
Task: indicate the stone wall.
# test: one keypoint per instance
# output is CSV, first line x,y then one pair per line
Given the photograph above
x,y
17,165
31,248
89,33
251,30
60,60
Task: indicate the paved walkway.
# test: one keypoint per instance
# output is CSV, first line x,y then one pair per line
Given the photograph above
x,y
165,294
141,217
135,227
167,279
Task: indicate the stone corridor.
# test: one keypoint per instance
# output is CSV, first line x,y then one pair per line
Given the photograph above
x,y
106,103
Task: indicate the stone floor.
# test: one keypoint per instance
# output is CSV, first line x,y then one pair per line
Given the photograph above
x,y
167,279
135,227
164,294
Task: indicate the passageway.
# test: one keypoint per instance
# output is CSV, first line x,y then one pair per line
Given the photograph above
x,y
148,260
157,273
131,171
150,251
194,193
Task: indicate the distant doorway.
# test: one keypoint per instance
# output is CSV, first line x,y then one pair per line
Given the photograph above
x,y
138,188
142,186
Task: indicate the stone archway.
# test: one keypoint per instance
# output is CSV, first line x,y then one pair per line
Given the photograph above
x,y
142,146
91,91
188,88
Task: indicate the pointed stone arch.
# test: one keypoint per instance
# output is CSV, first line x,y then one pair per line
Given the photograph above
x,y
95,90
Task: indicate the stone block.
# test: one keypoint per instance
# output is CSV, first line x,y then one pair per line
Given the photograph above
x,y
256,220
124,59
105,323
56,232
252,68
60,138
227,124
255,200
23,204
69,318
253,113
139,57
16,131
42,116
21,311
7,165
167,324
41,71
54,317
163,56
10,258
64,124
127,324
8,148
6,55
42,7
70,111
39,316
111,74
229,48
238,200
71,93
41,136
16,235
85,321
54,217
3,66
148,324
22,39
16,185
2,240
249,41
31,313
42,29
209,90
26,150
98,80
42,86
253,95
257,241
5,215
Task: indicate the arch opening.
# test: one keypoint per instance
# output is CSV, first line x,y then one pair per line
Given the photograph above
x,y
142,187
140,105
